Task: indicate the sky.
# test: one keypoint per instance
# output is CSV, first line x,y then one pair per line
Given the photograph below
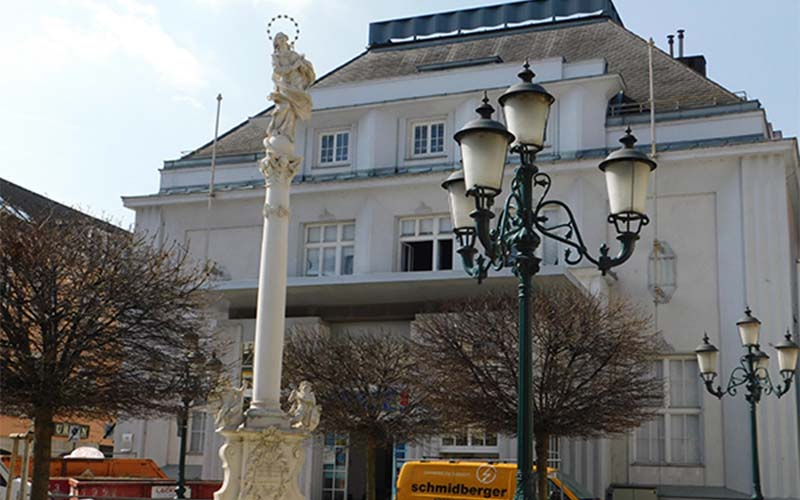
x,y
96,94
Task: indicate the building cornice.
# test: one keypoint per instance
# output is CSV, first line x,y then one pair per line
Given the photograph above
x,y
587,160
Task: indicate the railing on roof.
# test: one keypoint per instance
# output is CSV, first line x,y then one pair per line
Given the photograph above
x,y
383,32
673,104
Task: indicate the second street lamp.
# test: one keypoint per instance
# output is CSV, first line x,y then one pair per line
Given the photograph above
x,y
522,223
753,374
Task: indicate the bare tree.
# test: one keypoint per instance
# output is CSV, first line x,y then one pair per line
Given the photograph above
x,y
93,323
592,366
363,383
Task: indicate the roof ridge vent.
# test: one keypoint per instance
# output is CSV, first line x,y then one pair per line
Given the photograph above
x,y
494,16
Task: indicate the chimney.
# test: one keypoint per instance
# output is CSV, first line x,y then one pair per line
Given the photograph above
x,y
671,42
697,63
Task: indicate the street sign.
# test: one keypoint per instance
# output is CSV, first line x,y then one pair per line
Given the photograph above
x,y
74,433
68,430
168,491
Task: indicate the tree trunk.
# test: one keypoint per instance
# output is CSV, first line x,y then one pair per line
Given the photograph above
x,y
371,469
542,453
43,429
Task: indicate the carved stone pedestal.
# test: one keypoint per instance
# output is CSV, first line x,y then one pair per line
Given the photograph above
x,y
262,464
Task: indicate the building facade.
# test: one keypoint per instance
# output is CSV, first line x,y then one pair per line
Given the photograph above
x,y
370,242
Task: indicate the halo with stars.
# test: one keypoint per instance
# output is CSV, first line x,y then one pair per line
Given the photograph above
x,y
288,18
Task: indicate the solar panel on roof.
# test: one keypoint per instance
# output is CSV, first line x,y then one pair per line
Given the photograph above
x,y
384,32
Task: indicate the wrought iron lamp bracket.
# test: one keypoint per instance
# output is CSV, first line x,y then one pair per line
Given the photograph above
x,y
521,222
569,233
780,390
757,381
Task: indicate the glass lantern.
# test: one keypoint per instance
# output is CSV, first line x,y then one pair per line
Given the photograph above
x,y
527,106
627,172
484,148
749,329
707,355
461,205
788,351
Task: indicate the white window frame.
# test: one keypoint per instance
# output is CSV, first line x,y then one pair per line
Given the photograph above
x,y
667,411
339,244
470,447
427,122
435,236
330,493
554,453
335,134
246,375
197,432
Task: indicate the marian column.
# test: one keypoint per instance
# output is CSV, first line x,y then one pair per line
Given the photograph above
x,y
263,449
292,75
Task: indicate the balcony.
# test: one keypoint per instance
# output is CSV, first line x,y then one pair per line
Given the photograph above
x,y
380,295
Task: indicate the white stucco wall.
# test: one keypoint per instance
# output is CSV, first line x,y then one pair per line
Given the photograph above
x,y
729,213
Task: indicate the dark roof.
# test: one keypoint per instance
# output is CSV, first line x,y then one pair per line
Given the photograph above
x,y
26,204
572,40
247,137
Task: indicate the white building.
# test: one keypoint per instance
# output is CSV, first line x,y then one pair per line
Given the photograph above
x,y
368,209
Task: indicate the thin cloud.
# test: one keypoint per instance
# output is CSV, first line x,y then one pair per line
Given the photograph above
x,y
191,101
294,5
101,31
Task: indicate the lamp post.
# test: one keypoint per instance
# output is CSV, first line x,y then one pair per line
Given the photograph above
x,y
195,382
522,223
752,373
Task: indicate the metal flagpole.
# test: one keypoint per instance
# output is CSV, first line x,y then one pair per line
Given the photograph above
x,y
213,175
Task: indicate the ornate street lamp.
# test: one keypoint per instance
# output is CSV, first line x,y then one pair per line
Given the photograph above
x,y
753,373
484,146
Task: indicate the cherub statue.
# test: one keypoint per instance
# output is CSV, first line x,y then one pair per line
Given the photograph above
x,y
230,414
292,75
304,413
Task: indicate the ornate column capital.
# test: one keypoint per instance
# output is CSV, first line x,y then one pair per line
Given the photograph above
x,y
279,168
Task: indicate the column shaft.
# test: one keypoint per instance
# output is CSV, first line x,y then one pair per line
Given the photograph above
x,y
271,307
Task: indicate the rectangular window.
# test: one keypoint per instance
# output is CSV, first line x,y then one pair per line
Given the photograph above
x,y
427,139
684,389
326,149
197,437
426,244
335,461
554,452
329,249
674,436
437,138
334,148
470,438
342,145
650,442
685,439
247,370
420,140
